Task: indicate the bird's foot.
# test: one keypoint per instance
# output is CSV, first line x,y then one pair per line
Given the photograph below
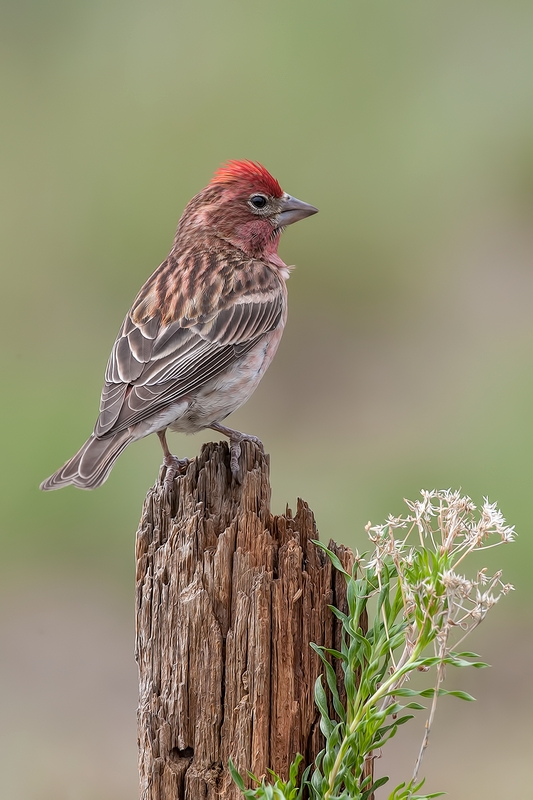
x,y
174,466
235,440
235,451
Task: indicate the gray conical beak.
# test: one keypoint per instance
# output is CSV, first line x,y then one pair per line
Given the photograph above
x,y
292,210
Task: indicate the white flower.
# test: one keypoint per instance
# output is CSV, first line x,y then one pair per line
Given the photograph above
x,y
493,522
456,585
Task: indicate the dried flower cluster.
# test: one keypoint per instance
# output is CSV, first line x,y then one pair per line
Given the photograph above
x,y
447,525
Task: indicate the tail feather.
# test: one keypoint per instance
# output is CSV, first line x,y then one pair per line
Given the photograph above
x,y
91,465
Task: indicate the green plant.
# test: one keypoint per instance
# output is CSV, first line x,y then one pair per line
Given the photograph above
x,y
421,610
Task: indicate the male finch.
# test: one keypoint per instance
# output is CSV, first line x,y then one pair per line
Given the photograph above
x,y
203,329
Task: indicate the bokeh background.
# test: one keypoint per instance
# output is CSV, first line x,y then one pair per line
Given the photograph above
x,y
407,362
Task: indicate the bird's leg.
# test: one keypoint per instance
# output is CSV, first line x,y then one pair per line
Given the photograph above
x,y
175,466
235,439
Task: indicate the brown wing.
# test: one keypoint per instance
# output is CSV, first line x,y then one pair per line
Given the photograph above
x,y
188,324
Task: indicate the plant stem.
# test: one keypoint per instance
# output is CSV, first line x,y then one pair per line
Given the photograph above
x,y
440,677
383,689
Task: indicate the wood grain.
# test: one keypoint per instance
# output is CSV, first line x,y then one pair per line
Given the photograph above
x,y
228,598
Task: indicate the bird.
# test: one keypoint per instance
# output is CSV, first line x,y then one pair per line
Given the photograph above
x,y
202,330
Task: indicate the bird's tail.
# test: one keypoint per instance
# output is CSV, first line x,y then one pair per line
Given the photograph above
x,y
92,464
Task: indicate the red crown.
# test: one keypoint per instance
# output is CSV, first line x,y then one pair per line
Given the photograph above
x,y
249,172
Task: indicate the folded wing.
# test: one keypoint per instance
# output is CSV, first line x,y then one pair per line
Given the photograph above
x,y
189,324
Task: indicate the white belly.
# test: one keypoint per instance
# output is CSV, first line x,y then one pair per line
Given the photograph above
x,y
162,420
229,391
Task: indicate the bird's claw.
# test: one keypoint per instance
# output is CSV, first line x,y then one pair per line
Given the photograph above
x,y
235,452
174,466
235,440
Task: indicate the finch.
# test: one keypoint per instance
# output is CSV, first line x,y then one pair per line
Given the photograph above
x,y
203,329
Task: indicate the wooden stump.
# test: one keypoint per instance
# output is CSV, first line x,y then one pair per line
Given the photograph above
x,y
228,599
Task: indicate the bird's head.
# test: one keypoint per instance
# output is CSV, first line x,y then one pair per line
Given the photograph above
x,y
247,207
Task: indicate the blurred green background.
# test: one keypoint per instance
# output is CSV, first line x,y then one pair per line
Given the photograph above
x,y
407,362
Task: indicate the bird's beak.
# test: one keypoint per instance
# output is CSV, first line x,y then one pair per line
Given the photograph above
x,y
292,210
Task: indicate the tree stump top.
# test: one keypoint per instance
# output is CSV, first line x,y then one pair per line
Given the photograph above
x,y
229,596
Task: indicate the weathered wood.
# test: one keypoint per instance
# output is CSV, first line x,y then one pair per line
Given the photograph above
x,y
228,599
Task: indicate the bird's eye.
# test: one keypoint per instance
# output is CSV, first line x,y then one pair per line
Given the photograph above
x,y
258,200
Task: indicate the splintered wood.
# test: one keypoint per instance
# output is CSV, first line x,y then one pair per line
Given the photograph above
x,y
228,599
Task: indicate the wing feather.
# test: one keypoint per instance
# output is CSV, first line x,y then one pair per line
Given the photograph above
x,y
141,346
111,403
158,359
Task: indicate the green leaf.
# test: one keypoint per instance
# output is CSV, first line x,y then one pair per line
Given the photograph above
x,y
365,782
431,692
396,640
375,785
359,640
442,692
335,653
395,794
349,685
394,708
406,792
304,784
236,776
332,557
455,661
383,597
318,781
331,678
293,769
338,614
462,695
403,720
351,598
376,628
326,725
319,650
431,661
380,782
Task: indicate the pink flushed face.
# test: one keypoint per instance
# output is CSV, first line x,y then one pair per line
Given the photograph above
x,y
247,206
